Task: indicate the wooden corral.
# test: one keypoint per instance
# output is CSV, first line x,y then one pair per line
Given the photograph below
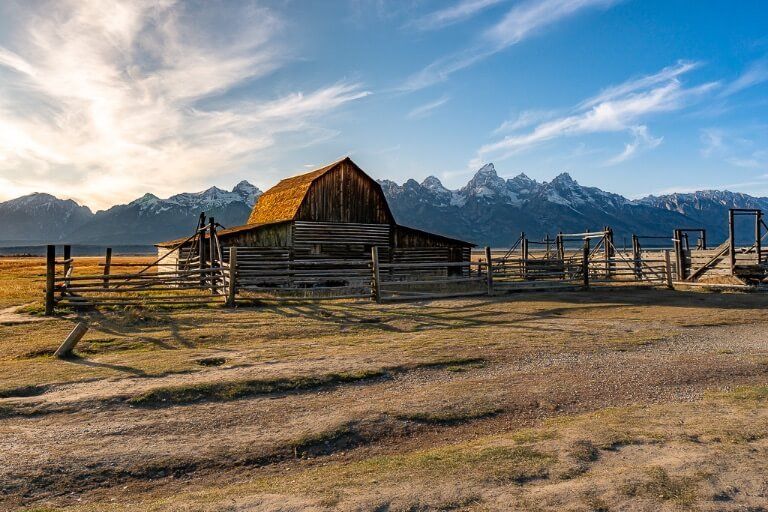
x,y
727,263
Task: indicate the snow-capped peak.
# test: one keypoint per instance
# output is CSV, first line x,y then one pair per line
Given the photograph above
x,y
487,169
434,184
564,179
247,192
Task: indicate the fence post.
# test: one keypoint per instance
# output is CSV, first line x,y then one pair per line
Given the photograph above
x,y
668,268
732,241
758,236
232,276
65,349
67,257
50,276
585,264
376,277
525,256
636,254
608,250
677,238
212,255
489,270
107,266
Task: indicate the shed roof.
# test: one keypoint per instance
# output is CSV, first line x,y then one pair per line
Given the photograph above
x,y
282,202
220,233
448,239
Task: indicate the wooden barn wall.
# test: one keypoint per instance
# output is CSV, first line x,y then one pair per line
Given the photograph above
x,y
339,240
170,259
407,241
345,195
278,235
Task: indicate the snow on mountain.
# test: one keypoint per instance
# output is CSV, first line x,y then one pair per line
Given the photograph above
x,y
247,192
209,199
40,217
701,201
148,219
488,187
489,209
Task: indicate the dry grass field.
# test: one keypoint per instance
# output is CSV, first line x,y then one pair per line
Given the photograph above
x,y
587,401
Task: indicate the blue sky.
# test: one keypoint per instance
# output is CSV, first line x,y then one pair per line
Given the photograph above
x,y
103,101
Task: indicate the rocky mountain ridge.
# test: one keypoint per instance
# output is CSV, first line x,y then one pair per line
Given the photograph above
x,y
489,209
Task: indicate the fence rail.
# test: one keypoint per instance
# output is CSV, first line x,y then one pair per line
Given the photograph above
x,y
272,274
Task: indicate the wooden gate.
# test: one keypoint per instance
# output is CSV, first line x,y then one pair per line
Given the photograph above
x,y
201,277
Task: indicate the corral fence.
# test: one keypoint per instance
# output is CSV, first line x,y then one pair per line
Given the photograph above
x,y
271,274
203,272
188,281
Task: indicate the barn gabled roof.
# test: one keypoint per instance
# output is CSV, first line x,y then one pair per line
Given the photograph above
x,y
282,201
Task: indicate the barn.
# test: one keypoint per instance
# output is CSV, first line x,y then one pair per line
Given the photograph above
x,y
336,212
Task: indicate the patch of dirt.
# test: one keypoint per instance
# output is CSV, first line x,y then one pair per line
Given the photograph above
x,y
11,316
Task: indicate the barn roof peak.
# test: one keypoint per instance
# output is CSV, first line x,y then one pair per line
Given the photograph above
x,y
282,201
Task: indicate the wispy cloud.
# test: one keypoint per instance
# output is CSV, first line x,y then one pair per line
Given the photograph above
x,y
103,102
524,119
460,11
520,22
712,140
617,109
735,149
426,110
642,140
755,74
528,17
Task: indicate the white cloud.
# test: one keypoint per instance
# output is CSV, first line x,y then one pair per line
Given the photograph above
x,y
102,102
530,16
616,109
460,11
642,140
713,142
524,119
426,110
755,74
733,148
520,22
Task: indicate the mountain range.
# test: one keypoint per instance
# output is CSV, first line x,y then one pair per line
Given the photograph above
x,y
488,210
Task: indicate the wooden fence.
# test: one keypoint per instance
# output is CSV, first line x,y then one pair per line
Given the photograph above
x,y
126,284
271,274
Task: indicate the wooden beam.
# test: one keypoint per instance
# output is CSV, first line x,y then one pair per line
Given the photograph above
x,y
489,270
732,241
107,266
376,277
585,263
65,350
636,254
67,258
232,275
668,267
526,253
50,278
758,236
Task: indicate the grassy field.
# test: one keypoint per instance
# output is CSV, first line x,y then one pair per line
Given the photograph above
x,y
605,400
